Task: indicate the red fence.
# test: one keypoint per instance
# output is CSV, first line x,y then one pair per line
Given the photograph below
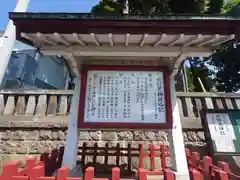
x,y
204,168
48,164
199,169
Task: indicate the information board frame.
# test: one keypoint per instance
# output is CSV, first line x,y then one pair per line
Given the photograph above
x,y
210,142
117,125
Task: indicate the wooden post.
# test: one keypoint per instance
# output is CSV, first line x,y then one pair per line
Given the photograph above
x,y
168,174
9,38
62,173
71,149
163,156
207,162
195,175
89,173
177,149
142,174
116,173
152,157
224,166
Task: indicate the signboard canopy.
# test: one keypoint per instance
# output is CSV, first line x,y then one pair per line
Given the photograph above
x,y
125,97
223,131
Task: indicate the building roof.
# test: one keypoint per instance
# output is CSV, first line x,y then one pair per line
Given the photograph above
x,y
91,36
89,23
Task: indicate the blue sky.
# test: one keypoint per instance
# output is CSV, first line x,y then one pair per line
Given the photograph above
x,y
46,6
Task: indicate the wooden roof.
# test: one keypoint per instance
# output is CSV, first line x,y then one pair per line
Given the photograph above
x,y
170,29
169,39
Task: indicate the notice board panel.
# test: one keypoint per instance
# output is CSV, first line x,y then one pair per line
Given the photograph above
x,y
125,97
223,131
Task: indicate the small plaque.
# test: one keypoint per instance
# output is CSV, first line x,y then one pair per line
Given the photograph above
x,y
223,131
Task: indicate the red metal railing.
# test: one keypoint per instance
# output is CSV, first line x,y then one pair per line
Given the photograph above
x,y
199,169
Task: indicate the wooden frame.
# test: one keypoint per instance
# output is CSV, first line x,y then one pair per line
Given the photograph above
x,y
207,131
166,75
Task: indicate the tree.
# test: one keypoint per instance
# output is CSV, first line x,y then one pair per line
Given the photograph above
x,y
226,58
150,7
108,7
231,7
226,61
215,6
187,6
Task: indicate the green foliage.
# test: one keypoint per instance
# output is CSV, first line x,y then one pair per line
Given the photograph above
x,y
225,60
215,6
108,7
150,7
187,6
229,6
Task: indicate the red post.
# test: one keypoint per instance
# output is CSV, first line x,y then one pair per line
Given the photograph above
x,y
141,156
187,151
142,174
116,173
168,174
207,162
195,175
9,170
195,159
221,175
62,173
36,172
89,173
163,156
152,157
224,166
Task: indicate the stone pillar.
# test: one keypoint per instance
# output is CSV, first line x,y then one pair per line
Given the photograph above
x,y
176,141
9,38
71,147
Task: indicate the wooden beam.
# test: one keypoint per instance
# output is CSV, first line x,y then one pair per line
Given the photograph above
x,y
176,139
127,39
79,39
125,51
61,39
178,37
160,39
144,37
72,139
208,40
110,38
95,39
45,39
223,40
177,62
73,62
192,40
31,38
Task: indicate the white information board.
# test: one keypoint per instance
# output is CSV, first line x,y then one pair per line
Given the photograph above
x,y
125,97
220,126
221,131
